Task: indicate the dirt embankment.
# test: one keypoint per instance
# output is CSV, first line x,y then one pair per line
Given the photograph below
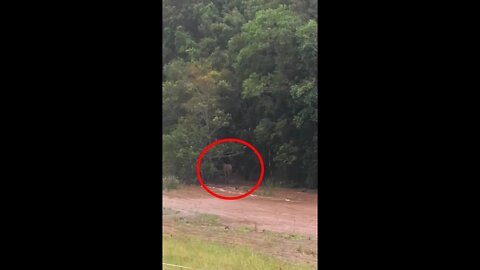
x,y
287,210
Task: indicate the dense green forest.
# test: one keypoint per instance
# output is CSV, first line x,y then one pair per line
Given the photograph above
x,y
245,69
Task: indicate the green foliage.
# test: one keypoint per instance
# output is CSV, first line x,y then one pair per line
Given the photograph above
x,y
306,94
263,131
199,253
170,182
254,86
245,69
286,154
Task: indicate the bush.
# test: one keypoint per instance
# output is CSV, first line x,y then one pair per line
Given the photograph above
x,y
170,182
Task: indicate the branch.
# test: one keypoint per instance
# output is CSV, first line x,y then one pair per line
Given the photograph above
x,y
229,155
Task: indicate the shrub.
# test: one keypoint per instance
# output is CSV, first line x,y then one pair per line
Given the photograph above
x,y
170,182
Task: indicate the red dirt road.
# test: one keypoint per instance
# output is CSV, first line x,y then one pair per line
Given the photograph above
x,y
288,211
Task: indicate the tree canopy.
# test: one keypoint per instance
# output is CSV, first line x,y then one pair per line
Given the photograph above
x,y
244,69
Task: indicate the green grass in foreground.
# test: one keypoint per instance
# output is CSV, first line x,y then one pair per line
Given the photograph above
x,y
202,254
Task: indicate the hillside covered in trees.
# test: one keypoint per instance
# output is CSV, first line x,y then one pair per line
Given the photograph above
x,y
245,69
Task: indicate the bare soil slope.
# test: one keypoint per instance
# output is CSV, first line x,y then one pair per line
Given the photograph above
x,y
289,211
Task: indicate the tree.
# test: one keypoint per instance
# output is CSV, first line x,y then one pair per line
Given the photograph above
x,y
246,69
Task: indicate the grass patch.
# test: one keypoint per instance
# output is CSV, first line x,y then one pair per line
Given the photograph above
x,y
201,220
246,229
270,237
169,211
302,250
273,236
294,237
201,254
